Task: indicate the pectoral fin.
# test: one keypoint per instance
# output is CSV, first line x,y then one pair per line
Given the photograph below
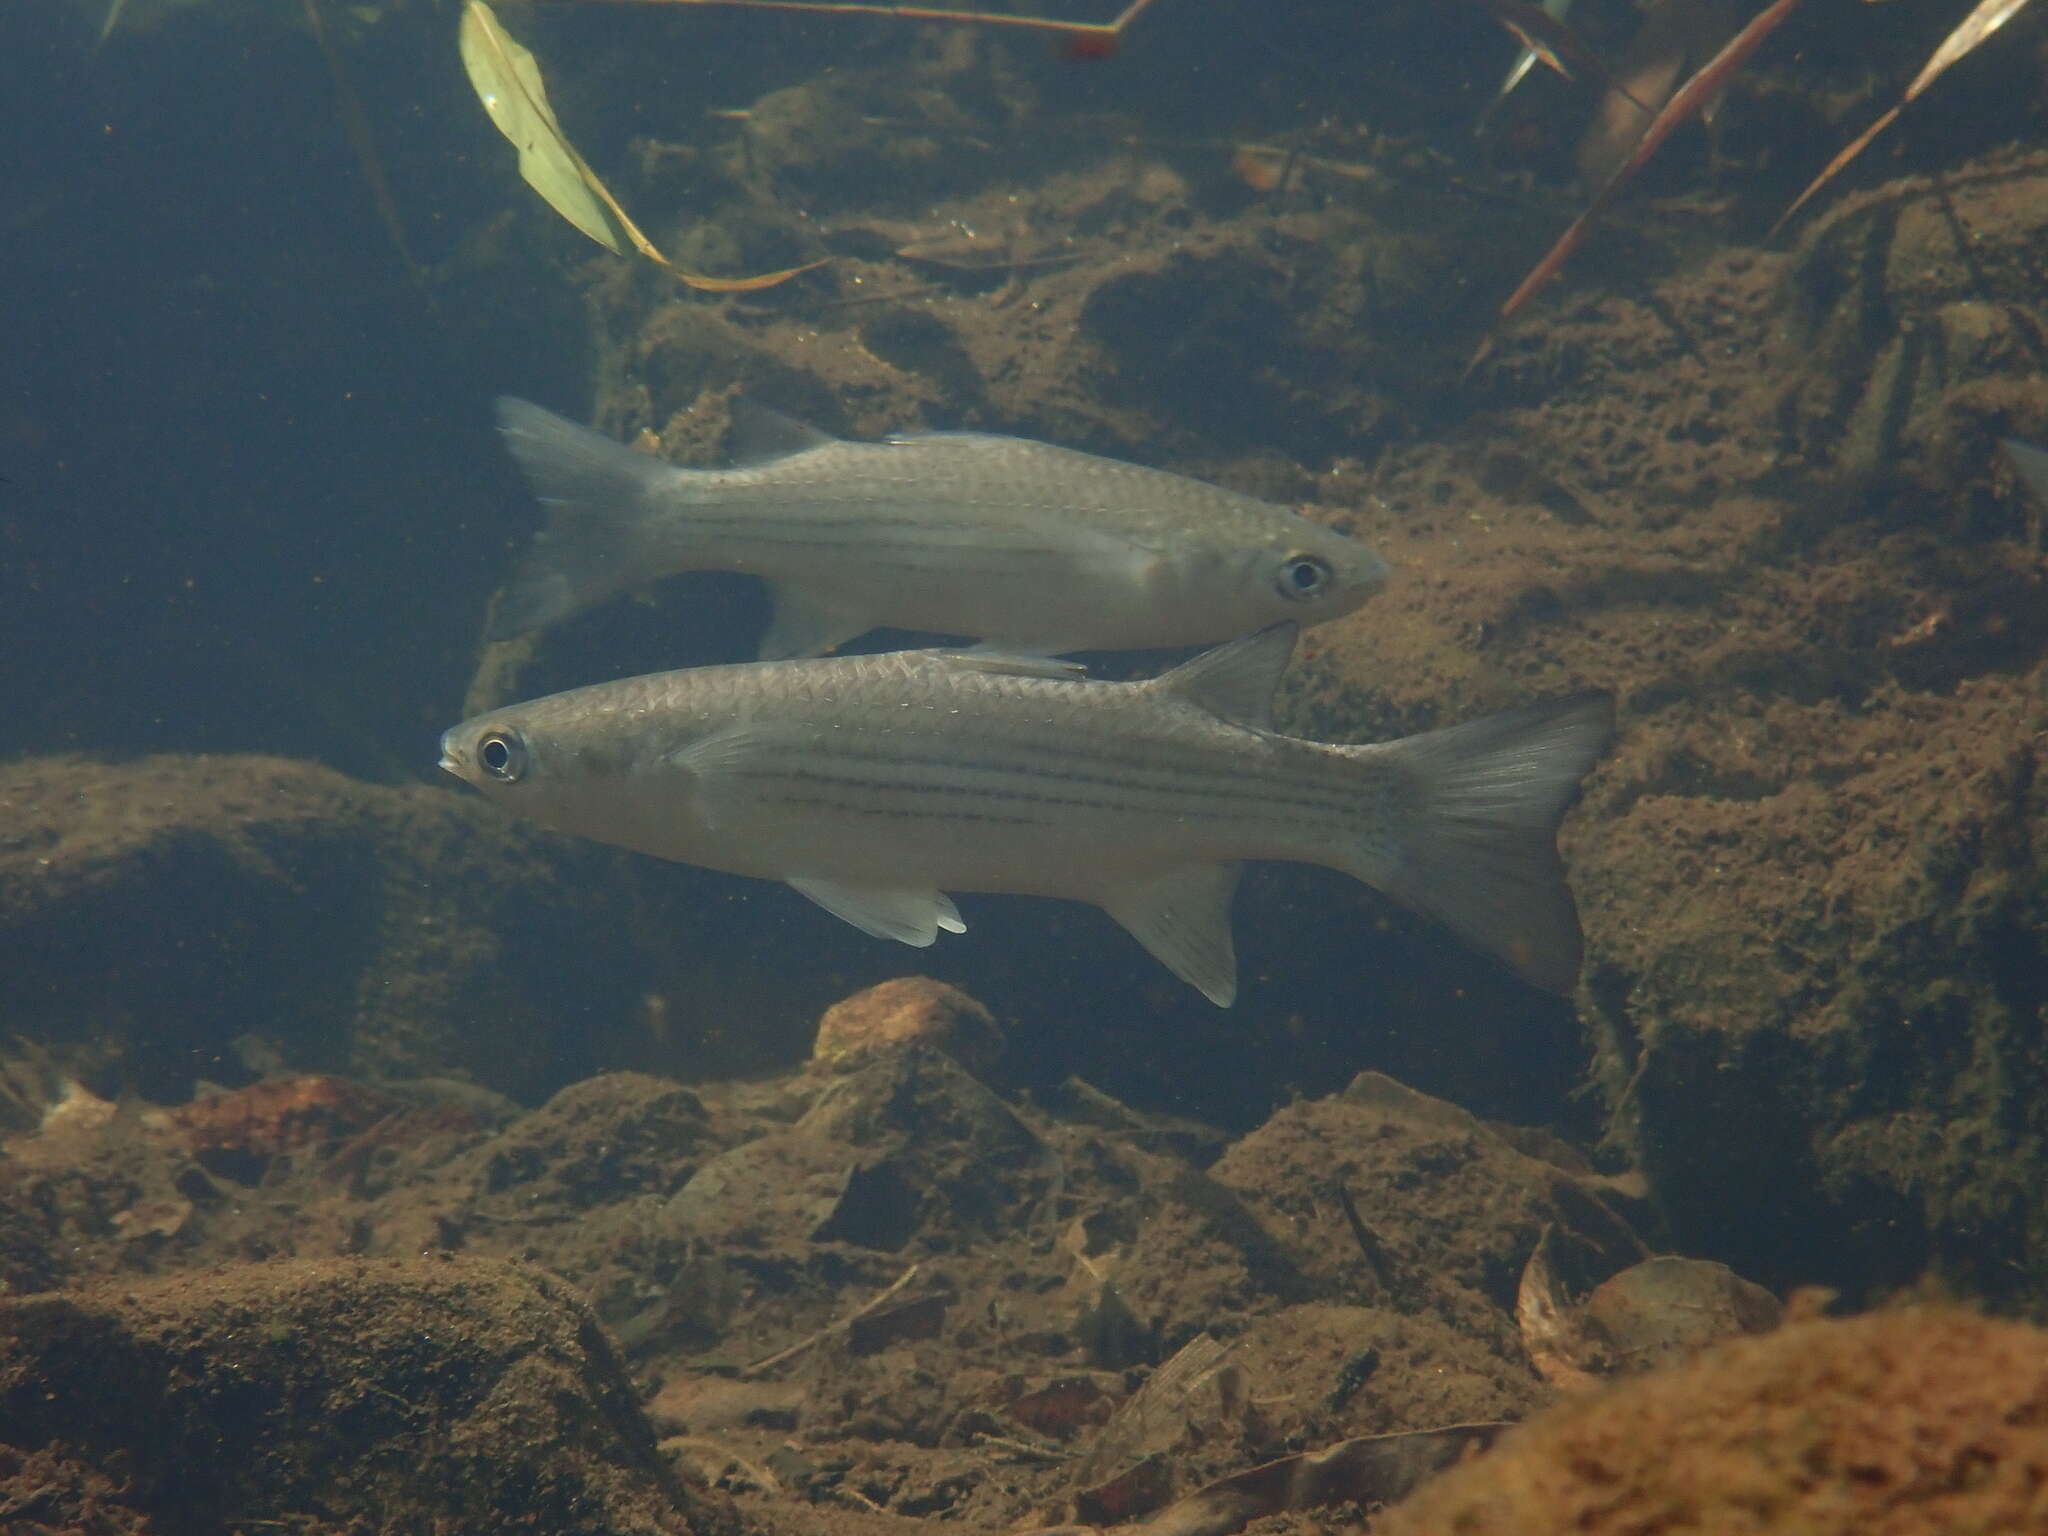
x,y
718,771
909,917
808,625
1183,917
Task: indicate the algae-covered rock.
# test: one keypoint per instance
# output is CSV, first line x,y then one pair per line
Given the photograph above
x,y
154,912
1925,1421
453,1395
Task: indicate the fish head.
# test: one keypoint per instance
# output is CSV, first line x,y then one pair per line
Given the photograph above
x,y
623,762
495,753
554,760
1305,573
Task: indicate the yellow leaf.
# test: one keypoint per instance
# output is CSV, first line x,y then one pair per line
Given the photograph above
x,y
740,284
508,82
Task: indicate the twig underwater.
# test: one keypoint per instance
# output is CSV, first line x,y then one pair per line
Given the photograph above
x,y
1111,29
1985,19
1691,98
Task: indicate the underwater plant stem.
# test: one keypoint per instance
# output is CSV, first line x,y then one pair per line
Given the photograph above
x,y
357,126
1112,28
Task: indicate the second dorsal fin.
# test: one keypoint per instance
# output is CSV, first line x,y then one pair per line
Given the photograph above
x,y
760,435
1236,681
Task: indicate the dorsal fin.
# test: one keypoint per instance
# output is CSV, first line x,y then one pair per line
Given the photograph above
x,y
1236,681
1015,664
759,434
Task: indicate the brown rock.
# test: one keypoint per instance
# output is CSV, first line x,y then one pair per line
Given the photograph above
x,y
1921,1420
442,1395
907,1010
152,911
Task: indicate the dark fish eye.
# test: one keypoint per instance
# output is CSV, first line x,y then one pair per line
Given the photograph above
x,y
503,756
1303,577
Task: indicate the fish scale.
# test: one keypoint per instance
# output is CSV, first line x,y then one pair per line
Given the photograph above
x,y
1026,545
877,784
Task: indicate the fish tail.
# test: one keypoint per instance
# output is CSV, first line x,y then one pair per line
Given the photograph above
x,y
1472,840
596,493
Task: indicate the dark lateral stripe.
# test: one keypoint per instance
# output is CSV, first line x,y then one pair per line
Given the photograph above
x,y
926,813
1081,761
1063,739
906,554
921,804
931,526
1228,799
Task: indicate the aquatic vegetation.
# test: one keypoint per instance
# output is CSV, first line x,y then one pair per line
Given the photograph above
x,y
1691,98
508,83
1986,18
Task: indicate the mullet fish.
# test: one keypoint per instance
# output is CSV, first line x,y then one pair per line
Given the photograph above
x,y
1015,543
874,784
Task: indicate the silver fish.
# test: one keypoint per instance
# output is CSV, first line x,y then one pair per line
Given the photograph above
x,y
874,784
1019,544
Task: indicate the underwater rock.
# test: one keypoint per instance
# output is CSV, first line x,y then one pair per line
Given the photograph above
x,y
1323,1371
1818,987
65,1494
1914,1422
453,1395
1448,1210
905,1147
608,1138
153,912
1810,875
905,1011
1904,324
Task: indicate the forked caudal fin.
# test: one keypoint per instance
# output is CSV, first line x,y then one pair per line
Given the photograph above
x,y
1474,841
595,494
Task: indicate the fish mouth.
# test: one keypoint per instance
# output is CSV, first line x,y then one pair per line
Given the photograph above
x,y
451,759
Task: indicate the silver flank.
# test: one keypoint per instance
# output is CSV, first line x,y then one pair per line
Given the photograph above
x,y
1013,542
877,784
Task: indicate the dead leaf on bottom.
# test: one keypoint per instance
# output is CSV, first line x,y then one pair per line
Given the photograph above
x,y
1553,1331
1652,1313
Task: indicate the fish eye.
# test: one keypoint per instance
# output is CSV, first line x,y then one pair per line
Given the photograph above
x,y
1303,577
502,755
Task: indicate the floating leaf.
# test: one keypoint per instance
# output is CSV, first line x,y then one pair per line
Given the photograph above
x,y
1986,19
508,82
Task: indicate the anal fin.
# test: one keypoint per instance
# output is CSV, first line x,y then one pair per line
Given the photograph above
x,y
1183,918
907,916
808,625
